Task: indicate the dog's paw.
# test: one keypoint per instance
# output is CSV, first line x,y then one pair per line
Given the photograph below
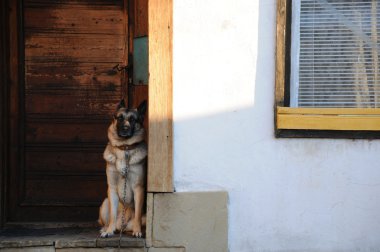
x,y
136,231
109,156
106,234
137,234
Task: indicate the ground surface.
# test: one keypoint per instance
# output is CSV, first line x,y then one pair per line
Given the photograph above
x,y
64,238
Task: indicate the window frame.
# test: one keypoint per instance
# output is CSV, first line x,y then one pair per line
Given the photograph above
x,y
352,123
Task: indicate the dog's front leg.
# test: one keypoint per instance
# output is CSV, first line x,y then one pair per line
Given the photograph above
x,y
139,201
113,201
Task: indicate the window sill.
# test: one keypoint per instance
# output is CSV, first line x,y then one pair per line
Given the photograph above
x,y
341,119
347,123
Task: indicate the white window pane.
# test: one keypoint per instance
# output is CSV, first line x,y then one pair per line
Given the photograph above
x,y
335,51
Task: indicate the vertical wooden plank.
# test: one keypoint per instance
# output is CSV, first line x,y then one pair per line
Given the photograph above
x,y
141,18
4,52
131,30
14,55
127,44
281,33
14,89
282,37
160,153
139,94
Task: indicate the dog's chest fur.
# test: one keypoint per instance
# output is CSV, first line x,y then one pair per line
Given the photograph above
x,y
135,174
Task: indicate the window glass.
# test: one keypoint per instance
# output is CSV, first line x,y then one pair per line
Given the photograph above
x,y
335,53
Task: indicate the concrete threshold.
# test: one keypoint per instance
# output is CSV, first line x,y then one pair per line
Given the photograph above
x,y
65,239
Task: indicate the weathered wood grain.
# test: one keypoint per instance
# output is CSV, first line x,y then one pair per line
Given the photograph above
x,y
328,119
281,36
66,162
140,93
70,132
329,111
57,215
72,76
67,96
78,103
328,122
67,20
141,18
74,48
15,112
99,4
160,156
58,189
4,105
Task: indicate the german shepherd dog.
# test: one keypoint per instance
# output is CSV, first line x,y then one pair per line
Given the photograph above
x,y
125,155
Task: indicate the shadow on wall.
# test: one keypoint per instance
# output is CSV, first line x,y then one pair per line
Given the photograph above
x,y
232,149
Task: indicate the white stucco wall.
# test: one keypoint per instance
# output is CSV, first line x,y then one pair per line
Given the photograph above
x,y
284,194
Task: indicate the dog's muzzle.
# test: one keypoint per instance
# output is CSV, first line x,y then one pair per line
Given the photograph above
x,y
125,132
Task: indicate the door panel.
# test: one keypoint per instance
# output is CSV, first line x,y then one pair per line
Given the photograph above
x,y
70,103
65,47
68,76
67,95
62,162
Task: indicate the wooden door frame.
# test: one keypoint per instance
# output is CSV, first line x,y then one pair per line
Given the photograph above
x,y
160,111
4,101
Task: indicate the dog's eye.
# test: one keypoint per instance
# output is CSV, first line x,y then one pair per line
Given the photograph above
x,y
132,120
120,118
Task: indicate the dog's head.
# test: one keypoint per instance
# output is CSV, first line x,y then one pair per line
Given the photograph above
x,y
129,120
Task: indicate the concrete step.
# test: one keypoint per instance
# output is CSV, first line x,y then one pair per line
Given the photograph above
x,y
65,240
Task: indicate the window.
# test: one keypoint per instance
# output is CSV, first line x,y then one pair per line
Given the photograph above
x,y
327,74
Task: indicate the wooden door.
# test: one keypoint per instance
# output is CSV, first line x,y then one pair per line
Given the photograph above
x,y
62,103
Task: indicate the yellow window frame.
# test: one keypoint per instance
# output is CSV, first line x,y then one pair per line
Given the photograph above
x,y
320,119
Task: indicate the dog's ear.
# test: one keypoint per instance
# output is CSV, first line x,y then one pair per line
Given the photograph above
x,y
121,104
141,109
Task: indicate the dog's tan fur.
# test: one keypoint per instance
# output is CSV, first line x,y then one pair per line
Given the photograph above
x,y
120,169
